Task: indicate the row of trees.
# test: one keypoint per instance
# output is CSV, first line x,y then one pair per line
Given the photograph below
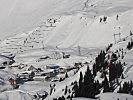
x,y
86,87
115,71
99,63
126,88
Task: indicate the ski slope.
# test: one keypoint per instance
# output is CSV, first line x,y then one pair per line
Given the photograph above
x,y
76,21
21,16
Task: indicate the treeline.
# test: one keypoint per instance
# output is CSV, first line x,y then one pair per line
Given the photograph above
x,y
126,88
86,87
110,69
107,66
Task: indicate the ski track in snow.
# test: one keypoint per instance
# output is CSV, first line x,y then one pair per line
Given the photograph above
x,y
12,7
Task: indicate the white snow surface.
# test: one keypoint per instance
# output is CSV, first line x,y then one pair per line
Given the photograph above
x,y
28,30
115,96
78,20
22,15
15,95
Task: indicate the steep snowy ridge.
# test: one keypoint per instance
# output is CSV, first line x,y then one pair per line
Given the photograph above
x,y
25,15
22,16
73,30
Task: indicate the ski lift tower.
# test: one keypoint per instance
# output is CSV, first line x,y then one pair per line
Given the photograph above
x,y
118,34
79,50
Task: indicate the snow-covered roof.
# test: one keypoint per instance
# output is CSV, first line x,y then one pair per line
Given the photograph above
x,y
48,70
15,64
4,59
52,66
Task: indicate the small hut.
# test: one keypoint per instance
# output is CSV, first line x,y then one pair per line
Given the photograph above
x,y
15,65
63,67
12,81
31,68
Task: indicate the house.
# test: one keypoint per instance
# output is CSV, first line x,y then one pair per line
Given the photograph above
x,y
12,81
15,65
62,70
8,55
40,78
52,66
27,75
31,68
55,79
65,55
4,60
23,66
51,72
40,73
63,66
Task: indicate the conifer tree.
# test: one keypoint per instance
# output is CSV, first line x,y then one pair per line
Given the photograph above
x,y
89,90
65,90
106,85
81,84
76,89
94,69
129,46
66,75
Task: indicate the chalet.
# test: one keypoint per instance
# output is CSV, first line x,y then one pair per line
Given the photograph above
x,y
55,79
52,66
62,69
66,56
12,81
15,65
23,66
40,73
8,55
60,77
27,75
31,68
40,78
4,60
51,72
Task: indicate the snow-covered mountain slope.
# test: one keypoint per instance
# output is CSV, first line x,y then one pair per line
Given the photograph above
x,y
62,24
75,22
35,29
127,71
22,15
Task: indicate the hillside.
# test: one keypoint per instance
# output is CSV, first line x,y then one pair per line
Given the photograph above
x,y
38,36
21,16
